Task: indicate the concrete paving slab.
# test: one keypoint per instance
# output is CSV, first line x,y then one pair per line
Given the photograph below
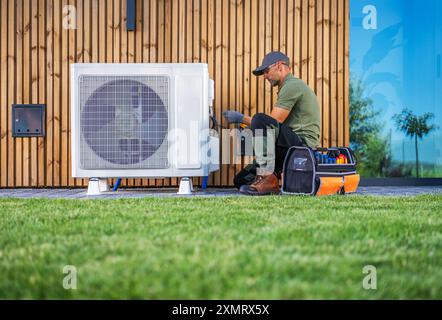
x,y
210,192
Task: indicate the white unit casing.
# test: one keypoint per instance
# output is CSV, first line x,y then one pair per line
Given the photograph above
x,y
142,120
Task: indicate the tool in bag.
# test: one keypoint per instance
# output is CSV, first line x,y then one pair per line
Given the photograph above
x,y
321,171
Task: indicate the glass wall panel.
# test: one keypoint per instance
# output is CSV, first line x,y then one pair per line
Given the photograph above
x,y
396,87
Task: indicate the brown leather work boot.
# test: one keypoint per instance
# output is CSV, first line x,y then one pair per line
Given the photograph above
x,y
263,185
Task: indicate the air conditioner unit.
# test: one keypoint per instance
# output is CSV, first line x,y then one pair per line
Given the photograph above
x,y
142,120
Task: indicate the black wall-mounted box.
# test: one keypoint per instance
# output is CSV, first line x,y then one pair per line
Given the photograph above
x,y
131,15
28,120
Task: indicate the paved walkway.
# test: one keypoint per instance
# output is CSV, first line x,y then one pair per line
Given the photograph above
x,y
171,192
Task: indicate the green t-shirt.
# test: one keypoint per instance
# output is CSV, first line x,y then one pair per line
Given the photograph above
x,y
304,117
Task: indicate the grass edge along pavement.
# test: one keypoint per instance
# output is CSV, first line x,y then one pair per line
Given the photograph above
x,y
222,248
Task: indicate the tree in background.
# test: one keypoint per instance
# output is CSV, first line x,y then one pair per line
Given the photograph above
x,y
414,127
371,149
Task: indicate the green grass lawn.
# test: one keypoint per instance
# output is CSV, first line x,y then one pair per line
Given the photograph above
x,y
222,248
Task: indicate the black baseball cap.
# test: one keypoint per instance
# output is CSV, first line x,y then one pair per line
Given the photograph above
x,y
270,59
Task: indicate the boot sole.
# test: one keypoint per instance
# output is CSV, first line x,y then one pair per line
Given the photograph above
x,y
251,193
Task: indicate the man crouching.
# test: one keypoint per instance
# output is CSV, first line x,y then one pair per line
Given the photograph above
x,y
294,121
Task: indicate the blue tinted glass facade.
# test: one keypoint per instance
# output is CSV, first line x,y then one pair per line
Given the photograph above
x,y
396,86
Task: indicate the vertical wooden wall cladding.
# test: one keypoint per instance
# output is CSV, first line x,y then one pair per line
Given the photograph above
x,y
231,36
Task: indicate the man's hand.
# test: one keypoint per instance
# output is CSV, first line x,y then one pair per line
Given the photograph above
x,y
233,116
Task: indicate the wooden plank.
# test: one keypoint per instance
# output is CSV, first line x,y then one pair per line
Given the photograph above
x,y
218,77
4,95
117,31
131,59
275,20
203,45
102,28
26,88
247,70
57,92
326,75
319,52
87,42
304,41
290,32
95,46
145,41
225,102
34,89
197,25
71,58
254,59
283,25
2,103
144,44
236,83
116,39
15,73
175,29
210,48
232,103
11,91
203,34
262,12
340,69
124,54
196,45
178,42
168,46
271,43
41,44
168,31
188,30
139,47
347,73
298,39
49,79
118,22
80,55
161,20
64,102
283,14
182,34
278,20
157,31
312,44
142,48
109,30
188,40
131,45
334,71
153,31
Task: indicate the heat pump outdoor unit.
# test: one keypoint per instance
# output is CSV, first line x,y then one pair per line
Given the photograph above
x,y
141,120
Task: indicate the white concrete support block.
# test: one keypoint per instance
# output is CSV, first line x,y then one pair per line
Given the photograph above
x,y
97,186
186,186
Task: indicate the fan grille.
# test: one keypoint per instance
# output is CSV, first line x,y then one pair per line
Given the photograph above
x,y
124,122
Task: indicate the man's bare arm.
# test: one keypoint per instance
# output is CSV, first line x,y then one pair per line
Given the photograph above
x,y
279,114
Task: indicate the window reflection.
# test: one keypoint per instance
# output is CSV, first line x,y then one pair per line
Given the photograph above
x,y
395,63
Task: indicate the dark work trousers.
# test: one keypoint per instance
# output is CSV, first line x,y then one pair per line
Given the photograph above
x,y
285,139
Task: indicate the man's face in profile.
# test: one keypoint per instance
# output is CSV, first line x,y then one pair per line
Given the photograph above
x,y
273,74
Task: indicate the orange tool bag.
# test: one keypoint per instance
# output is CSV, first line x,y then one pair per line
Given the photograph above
x,y
321,171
